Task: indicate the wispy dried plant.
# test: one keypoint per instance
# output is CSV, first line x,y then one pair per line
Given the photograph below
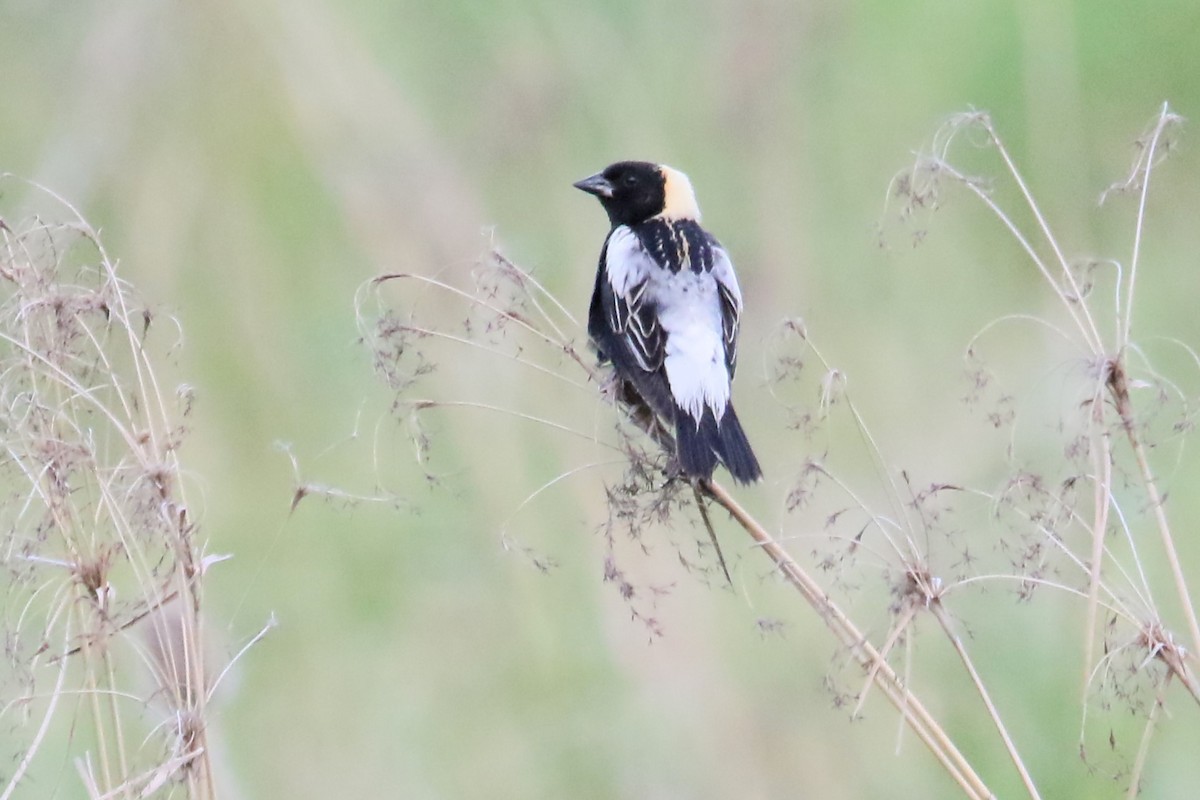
x,y
1071,516
1092,521
104,658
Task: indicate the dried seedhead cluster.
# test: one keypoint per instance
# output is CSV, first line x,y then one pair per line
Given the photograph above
x,y
101,556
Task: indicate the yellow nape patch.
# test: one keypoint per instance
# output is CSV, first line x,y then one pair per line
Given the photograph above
x,y
680,198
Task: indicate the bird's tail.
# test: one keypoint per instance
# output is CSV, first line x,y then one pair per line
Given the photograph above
x,y
701,446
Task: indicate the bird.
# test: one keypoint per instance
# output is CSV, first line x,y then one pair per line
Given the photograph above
x,y
665,312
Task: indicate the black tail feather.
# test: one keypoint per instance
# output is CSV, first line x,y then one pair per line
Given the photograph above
x,y
701,446
696,444
734,449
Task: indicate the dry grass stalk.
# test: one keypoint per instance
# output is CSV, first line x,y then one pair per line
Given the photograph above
x,y
104,567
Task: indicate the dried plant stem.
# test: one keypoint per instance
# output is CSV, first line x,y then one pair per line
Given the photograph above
x,y
910,707
1087,325
93,693
1102,457
19,773
1176,666
1158,639
1119,387
1126,322
114,711
1168,542
939,611
525,324
1116,381
1139,762
906,617
95,439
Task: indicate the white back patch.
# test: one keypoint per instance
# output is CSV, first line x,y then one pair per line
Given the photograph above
x,y
689,311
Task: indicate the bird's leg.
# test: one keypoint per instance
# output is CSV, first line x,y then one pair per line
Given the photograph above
x,y
701,504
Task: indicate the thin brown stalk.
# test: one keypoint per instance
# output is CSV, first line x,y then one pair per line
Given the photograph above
x,y
1087,325
492,351
1119,389
114,711
1125,323
473,300
93,693
1102,465
55,695
906,617
939,611
1139,762
512,412
919,719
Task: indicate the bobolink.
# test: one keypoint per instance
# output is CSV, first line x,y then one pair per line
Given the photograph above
x,y
665,312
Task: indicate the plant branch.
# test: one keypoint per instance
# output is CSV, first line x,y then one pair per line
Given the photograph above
x,y
1118,386
1102,463
910,707
1090,332
939,611
1125,323
27,759
1139,763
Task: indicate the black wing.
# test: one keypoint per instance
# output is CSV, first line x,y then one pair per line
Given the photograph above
x,y
731,302
623,320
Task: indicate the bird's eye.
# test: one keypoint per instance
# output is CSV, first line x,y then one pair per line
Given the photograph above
x,y
630,180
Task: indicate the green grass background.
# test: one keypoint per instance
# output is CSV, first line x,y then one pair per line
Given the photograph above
x,y
252,163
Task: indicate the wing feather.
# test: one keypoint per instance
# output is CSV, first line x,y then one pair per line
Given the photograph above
x,y
731,303
630,311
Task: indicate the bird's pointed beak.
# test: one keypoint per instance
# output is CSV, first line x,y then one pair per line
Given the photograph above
x,y
596,184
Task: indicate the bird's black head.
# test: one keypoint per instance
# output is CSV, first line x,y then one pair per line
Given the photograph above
x,y
634,191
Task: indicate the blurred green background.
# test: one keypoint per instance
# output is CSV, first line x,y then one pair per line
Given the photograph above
x,y
253,163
